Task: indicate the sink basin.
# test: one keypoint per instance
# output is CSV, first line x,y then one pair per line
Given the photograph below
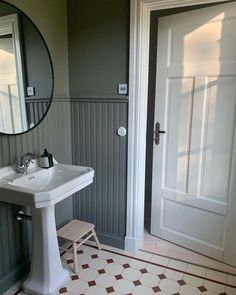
x,y
41,189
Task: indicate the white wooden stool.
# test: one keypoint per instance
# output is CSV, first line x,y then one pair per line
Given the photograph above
x,y
77,232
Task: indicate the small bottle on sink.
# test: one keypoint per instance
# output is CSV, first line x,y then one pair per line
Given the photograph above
x,y
46,160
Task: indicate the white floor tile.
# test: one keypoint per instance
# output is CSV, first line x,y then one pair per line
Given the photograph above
x,y
216,275
189,290
169,286
88,274
131,274
105,280
123,286
137,264
143,255
230,291
197,270
121,259
95,290
149,280
231,280
114,268
77,287
213,287
98,263
193,281
160,260
173,275
141,290
177,264
157,270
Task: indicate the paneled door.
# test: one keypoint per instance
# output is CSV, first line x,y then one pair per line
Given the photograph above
x,y
194,160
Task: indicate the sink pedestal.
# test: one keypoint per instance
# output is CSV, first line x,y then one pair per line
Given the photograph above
x,y
47,275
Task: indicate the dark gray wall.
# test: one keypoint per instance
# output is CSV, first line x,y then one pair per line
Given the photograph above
x,y
37,62
98,33
96,144
54,133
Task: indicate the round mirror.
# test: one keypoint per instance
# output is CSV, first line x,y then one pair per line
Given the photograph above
x,y
26,73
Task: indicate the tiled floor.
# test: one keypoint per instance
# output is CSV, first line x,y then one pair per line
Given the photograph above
x,y
112,271
161,247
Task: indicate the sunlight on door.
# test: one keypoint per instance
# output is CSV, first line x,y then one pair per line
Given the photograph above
x,y
195,102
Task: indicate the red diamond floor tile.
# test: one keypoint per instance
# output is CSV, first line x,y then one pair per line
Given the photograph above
x,y
63,290
110,290
91,283
202,289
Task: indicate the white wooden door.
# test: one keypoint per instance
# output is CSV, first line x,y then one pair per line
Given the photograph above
x,y
193,164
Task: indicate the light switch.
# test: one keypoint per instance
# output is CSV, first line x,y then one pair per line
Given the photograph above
x,y
30,91
123,89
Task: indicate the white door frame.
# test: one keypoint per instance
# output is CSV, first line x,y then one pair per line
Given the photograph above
x,y
140,12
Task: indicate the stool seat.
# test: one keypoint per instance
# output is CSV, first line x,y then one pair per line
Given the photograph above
x,y
77,232
74,230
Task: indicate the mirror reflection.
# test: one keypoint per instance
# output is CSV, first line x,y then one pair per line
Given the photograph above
x,y
26,74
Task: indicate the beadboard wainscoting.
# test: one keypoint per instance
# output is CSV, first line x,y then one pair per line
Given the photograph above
x,y
95,143
36,109
15,237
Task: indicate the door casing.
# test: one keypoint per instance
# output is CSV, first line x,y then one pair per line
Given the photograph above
x,y
140,14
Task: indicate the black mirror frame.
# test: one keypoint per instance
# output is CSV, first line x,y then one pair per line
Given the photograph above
x,y
52,69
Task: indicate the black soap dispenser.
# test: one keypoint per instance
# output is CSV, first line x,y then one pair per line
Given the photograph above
x,y
46,160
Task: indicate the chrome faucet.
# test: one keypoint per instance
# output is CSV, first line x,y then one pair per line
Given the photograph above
x,y
22,166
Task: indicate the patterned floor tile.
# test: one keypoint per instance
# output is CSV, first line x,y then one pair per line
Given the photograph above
x,y
102,272
141,290
155,269
121,259
114,269
149,280
77,287
131,274
96,290
193,281
188,289
123,286
105,280
88,274
98,263
169,286
137,264
214,287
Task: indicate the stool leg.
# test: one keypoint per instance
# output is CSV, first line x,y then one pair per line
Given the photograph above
x,y
96,239
75,258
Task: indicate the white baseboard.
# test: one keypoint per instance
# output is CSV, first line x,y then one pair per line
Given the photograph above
x,y
130,244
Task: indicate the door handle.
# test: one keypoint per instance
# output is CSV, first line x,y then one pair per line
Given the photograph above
x,y
157,133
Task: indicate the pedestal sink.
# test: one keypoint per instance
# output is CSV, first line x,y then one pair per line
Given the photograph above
x,y
41,189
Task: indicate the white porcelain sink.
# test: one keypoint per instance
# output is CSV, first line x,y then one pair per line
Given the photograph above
x,y
41,189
